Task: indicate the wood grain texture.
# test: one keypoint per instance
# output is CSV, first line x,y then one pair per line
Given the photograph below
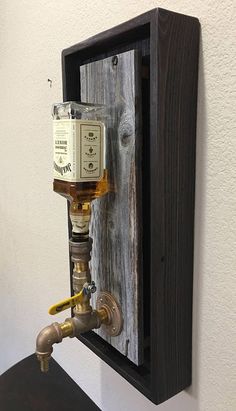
x,y
169,44
115,225
174,73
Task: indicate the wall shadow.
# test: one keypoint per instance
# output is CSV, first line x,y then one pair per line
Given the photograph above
x,y
201,164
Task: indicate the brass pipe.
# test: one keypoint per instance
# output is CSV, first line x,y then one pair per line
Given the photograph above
x,y
72,327
84,307
81,266
104,315
85,318
80,256
67,329
48,336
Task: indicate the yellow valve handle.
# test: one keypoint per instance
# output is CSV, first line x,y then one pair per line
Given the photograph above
x,y
67,303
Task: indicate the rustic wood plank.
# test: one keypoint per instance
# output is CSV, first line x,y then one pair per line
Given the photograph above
x,y
115,226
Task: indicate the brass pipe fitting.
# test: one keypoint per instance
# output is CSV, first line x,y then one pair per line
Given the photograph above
x,y
104,316
80,251
48,336
81,266
72,327
86,322
84,307
80,256
85,318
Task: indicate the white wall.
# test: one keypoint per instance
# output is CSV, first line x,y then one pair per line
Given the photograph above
x,y
33,235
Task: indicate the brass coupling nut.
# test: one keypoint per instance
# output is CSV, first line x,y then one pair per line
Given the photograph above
x,y
80,251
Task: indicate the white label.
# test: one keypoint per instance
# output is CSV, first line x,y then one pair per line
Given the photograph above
x,y
80,223
78,150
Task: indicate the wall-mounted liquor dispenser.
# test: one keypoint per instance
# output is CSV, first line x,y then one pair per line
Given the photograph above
x,y
125,161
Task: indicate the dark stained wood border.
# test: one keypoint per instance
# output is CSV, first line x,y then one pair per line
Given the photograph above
x,y
172,42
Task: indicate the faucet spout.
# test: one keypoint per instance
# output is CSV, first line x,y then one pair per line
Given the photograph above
x,y
48,336
54,333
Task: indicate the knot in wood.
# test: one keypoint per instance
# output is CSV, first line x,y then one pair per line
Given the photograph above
x,y
126,132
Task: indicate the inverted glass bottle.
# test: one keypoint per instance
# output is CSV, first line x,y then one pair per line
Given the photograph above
x,y
80,173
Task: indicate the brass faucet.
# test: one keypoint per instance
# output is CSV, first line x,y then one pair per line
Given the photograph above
x,y
107,312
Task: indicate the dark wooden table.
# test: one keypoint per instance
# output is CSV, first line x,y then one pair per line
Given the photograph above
x,y
24,388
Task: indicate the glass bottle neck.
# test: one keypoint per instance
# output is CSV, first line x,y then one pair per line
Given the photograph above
x,y
80,214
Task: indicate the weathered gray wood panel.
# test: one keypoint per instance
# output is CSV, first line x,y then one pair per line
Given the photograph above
x,y
116,218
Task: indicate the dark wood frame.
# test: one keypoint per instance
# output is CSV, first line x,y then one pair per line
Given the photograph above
x,y
170,41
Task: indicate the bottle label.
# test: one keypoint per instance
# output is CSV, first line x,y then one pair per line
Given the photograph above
x,y
80,223
78,150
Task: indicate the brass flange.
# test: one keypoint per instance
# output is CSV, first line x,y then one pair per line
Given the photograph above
x,y
114,324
